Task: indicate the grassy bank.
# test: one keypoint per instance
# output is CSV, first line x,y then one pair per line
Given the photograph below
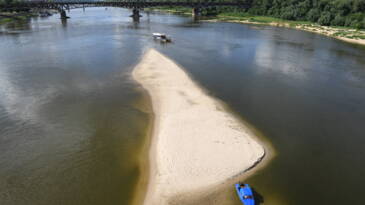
x,y
344,33
8,17
174,10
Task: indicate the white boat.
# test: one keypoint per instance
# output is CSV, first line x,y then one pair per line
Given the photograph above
x,y
161,36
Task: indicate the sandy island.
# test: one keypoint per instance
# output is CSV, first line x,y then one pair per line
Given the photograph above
x,y
196,143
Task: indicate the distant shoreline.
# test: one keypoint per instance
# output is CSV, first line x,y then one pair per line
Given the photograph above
x,y
346,34
343,34
8,17
193,136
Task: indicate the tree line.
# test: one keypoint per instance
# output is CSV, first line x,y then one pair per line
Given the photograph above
x,y
350,13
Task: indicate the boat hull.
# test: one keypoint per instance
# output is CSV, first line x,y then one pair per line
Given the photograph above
x,y
245,191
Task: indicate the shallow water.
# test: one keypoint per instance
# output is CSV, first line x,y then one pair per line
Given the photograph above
x,y
304,91
72,133
71,130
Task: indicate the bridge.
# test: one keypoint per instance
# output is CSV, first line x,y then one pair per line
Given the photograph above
x,y
135,5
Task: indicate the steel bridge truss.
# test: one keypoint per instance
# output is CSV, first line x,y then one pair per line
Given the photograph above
x,y
136,5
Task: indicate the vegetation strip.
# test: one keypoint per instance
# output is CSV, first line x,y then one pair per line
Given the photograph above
x,y
349,34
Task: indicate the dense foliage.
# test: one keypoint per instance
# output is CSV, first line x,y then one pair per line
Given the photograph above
x,y
349,13
4,2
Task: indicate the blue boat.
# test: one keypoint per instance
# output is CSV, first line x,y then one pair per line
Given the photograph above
x,y
245,193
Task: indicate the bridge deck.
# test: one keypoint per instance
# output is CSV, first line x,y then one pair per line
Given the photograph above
x,y
126,4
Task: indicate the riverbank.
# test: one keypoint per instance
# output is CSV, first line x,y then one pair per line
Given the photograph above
x,y
342,33
193,135
350,35
7,17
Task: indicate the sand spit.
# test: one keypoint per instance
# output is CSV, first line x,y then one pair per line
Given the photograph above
x,y
196,143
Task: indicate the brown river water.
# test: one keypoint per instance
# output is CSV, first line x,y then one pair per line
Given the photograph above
x,y
74,125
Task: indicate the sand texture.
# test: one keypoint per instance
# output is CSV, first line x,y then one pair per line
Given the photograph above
x,y
196,143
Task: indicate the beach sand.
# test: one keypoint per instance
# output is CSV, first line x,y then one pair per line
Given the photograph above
x,y
196,143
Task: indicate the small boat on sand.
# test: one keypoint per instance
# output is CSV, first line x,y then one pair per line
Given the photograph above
x,y
245,194
161,37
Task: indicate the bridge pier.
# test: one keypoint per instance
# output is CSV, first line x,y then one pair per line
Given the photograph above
x,y
63,14
135,15
196,11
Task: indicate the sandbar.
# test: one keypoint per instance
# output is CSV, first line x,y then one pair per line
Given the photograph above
x,y
196,142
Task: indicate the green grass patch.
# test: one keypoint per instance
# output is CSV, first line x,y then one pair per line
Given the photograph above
x,y
242,16
359,37
5,20
340,34
175,9
8,17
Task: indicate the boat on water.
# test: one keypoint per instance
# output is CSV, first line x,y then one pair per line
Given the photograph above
x,y
161,37
245,194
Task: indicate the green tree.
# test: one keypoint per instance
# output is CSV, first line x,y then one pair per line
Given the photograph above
x,y
342,6
325,18
313,15
289,13
8,1
325,12
303,8
358,6
339,20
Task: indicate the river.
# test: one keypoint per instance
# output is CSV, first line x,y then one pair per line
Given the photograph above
x,y
73,124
